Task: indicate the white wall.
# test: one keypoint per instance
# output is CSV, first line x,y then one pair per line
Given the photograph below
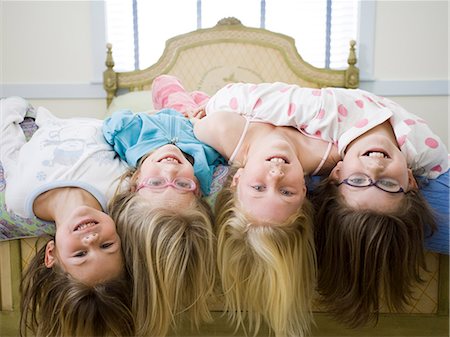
x,y
46,45
412,44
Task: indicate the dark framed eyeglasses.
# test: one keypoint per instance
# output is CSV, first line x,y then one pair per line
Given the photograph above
x,y
158,183
362,180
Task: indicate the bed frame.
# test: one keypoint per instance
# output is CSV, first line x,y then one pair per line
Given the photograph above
x,y
207,59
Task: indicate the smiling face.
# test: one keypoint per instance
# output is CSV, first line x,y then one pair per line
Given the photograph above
x,y
271,186
87,246
168,162
376,155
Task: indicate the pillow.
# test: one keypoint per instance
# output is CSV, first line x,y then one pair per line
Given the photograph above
x,y
436,191
13,226
136,101
218,181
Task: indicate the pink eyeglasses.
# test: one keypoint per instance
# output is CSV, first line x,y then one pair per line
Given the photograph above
x,y
157,183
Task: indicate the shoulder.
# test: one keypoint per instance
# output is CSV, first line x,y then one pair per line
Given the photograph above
x,y
219,122
220,130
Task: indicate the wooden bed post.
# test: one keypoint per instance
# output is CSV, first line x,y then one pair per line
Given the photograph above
x,y
352,72
109,76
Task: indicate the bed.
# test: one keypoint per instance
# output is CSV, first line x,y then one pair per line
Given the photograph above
x,y
206,60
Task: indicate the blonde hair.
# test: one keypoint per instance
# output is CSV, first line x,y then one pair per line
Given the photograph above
x,y
268,272
170,255
55,304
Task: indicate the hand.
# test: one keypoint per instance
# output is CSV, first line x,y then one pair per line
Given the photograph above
x,y
196,115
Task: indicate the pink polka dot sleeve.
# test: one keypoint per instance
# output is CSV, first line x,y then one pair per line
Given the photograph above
x,y
425,152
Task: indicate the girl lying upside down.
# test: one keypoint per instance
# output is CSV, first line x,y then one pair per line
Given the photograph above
x,y
65,174
165,225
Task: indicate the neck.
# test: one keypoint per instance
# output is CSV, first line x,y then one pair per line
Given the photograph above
x,y
309,151
55,204
256,131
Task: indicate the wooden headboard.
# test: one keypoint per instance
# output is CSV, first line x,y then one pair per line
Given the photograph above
x,y
207,59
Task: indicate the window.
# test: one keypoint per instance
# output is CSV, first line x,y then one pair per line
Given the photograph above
x,y
322,29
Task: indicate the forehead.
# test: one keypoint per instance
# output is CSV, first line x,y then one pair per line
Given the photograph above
x,y
100,269
268,209
371,198
169,198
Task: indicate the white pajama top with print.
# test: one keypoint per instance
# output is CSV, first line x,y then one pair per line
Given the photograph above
x,y
61,153
335,115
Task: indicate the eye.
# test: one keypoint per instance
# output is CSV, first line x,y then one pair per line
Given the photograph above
x,y
286,193
155,182
106,245
259,188
185,184
388,183
80,254
358,180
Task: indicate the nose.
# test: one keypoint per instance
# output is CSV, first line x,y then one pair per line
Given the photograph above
x,y
375,166
90,238
170,172
276,171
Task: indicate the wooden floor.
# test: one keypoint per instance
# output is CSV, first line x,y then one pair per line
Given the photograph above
x,y
389,325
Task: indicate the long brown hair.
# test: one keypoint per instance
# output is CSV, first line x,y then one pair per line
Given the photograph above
x,y
55,304
365,257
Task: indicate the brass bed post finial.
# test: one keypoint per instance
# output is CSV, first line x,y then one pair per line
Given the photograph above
x,y
352,72
109,76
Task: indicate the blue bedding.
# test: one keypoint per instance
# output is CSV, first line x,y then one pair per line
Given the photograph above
x,y
436,191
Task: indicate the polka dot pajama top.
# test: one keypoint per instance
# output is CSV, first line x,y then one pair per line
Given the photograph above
x,y
335,115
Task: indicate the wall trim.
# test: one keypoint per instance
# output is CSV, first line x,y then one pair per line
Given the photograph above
x,y
407,88
95,90
53,91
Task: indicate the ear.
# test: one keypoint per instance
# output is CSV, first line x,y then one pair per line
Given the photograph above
x,y
335,172
236,177
50,256
412,182
198,189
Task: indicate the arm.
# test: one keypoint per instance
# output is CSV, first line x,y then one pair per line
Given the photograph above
x,y
221,131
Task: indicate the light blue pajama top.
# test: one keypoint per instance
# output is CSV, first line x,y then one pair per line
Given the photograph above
x,y
134,135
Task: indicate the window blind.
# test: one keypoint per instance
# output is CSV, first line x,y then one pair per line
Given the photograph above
x,y
322,29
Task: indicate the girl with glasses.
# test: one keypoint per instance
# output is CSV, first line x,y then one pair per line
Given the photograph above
x,y
165,226
371,218
65,174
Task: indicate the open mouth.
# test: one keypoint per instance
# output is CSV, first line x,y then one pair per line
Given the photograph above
x,y
376,154
170,160
278,160
84,225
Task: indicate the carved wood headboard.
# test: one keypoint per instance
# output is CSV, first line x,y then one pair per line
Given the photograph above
x,y
207,59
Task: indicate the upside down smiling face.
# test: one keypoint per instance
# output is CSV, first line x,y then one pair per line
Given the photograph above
x,y
271,186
